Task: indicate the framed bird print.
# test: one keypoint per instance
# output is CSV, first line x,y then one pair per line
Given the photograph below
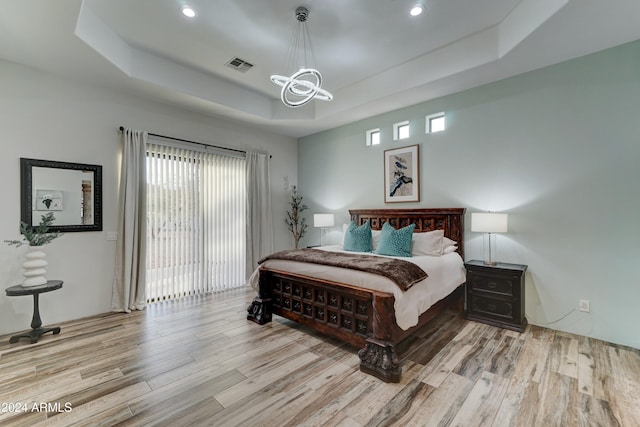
x,y
402,174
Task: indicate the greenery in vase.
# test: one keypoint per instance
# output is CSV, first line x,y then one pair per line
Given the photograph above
x,y
297,224
36,236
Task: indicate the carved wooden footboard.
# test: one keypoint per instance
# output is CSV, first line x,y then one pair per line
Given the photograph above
x,y
361,317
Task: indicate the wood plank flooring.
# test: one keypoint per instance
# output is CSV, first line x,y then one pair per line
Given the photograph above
x,y
198,361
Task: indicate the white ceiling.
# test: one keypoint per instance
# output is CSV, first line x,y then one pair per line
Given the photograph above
x,y
373,56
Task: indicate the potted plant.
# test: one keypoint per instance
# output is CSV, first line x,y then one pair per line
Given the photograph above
x,y
35,237
297,224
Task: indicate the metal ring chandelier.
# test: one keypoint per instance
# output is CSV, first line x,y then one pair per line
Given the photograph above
x,y
304,85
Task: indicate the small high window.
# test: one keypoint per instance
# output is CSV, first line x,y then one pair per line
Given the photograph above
x,y
373,137
401,130
435,123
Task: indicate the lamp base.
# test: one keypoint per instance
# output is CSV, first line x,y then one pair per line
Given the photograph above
x,y
489,244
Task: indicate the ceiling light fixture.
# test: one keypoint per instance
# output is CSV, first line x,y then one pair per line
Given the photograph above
x,y
188,11
303,85
416,10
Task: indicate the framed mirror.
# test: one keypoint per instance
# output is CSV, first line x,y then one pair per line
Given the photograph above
x,y
72,191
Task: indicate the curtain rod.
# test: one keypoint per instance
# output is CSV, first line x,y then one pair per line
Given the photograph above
x,y
193,142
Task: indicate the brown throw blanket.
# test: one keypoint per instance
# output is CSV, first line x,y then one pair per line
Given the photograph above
x,y
403,273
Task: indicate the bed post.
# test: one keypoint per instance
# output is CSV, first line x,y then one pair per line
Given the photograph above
x,y
260,309
380,360
379,357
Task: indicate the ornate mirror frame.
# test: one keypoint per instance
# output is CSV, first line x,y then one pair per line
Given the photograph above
x,y
27,193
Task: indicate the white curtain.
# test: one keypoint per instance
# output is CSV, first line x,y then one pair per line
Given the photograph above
x,y
196,222
129,277
259,218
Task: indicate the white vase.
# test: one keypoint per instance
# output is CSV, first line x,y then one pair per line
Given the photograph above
x,y
35,267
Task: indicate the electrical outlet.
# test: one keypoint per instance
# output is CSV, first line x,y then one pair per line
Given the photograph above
x,y
112,235
583,305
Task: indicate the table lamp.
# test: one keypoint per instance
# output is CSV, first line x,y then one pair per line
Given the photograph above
x,y
489,223
323,221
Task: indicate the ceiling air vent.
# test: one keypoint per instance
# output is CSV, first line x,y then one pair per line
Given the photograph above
x,y
239,65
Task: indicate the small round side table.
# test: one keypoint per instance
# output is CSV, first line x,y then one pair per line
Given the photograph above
x,y
36,323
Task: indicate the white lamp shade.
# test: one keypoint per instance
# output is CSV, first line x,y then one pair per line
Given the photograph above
x,y
323,220
489,222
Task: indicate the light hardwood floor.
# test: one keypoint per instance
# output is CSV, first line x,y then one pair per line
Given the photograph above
x,y
198,361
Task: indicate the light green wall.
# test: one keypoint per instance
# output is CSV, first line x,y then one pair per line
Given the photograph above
x,y
557,148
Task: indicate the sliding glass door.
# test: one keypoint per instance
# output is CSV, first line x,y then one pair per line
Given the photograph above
x,y
196,203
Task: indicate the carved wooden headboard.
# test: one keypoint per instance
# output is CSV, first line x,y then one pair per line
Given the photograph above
x,y
451,220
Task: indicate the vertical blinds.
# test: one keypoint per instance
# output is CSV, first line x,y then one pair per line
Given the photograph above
x,y
196,203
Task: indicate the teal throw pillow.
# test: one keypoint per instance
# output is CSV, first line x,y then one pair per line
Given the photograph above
x,y
358,239
395,242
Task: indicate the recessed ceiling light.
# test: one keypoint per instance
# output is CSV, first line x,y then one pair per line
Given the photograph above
x,y
416,10
188,11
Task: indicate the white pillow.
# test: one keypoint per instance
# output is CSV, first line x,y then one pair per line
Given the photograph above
x,y
344,231
375,238
449,249
429,243
446,242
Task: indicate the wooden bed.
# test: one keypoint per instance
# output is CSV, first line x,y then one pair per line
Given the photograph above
x,y
361,317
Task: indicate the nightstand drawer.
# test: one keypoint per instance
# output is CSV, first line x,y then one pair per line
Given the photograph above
x,y
500,284
492,306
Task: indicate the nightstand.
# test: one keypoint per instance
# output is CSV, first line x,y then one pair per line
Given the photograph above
x,y
495,294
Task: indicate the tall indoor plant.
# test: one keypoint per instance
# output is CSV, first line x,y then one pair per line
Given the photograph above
x,y
36,238
297,223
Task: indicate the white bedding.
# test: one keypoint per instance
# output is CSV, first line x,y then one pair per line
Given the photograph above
x,y
445,273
